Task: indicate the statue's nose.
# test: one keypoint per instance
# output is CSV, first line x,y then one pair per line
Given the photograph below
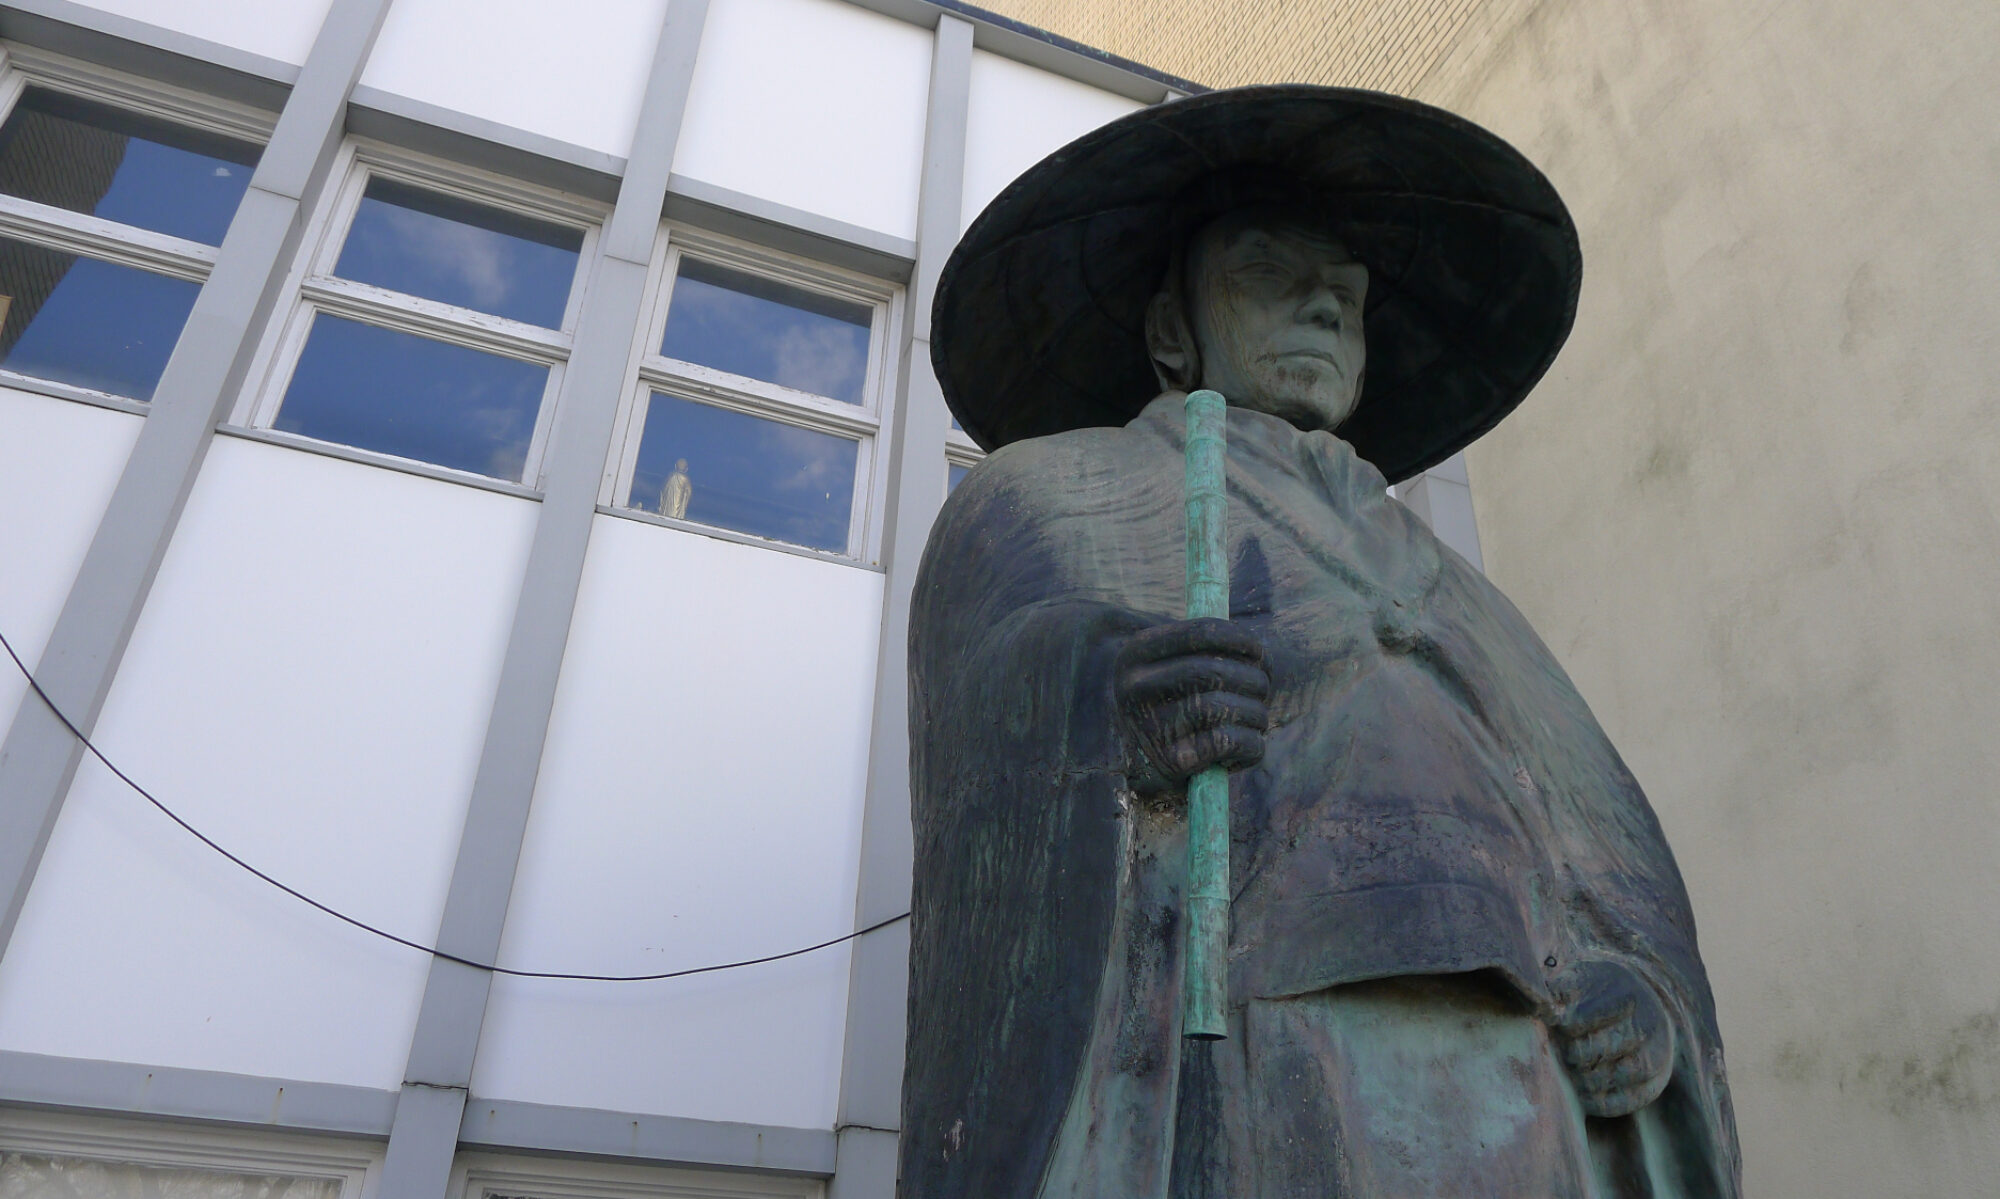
x,y
1322,308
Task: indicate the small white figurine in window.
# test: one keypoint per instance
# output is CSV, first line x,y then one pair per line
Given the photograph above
x,y
674,496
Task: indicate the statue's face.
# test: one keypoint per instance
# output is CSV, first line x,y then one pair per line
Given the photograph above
x,y
1276,310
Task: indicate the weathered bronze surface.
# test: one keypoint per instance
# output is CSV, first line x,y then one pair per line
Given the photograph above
x,y
1460,958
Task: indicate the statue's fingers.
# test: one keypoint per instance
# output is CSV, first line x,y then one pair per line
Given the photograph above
x,y
1214,710
1605,1045
1156,682
1208,635
1238,747
1230,745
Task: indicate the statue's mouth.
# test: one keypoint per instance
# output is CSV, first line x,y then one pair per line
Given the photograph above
x,y
1325,356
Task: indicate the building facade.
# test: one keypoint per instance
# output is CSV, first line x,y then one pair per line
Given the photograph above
x,y
467,460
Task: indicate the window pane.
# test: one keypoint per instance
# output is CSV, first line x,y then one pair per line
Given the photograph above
x,y
954,473
33,1176
785,335
460,253
745,473
88,323
397,393
90,157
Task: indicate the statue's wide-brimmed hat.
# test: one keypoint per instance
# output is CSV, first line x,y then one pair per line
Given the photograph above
x,y
1039,324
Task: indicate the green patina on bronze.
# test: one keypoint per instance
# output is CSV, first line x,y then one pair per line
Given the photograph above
x,y
1204,993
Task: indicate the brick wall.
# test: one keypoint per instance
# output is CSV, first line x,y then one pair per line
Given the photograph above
x,y
1403,46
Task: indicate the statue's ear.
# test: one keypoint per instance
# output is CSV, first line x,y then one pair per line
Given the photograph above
x,y
1170,342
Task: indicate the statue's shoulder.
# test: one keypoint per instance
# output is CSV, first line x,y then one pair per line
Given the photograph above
x,y
1072,450
1053,473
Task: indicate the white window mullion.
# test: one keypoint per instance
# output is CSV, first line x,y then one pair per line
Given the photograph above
x,y
445,322
757,398
95,237
545,419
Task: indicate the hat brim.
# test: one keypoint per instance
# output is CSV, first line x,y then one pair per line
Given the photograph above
x,y
1039,321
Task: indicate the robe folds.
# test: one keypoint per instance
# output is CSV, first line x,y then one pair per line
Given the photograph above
x,y
1438,831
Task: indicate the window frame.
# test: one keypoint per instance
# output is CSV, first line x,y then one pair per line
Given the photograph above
x,y
83,234
312,288
864,423
355,1165
480,1174
959,450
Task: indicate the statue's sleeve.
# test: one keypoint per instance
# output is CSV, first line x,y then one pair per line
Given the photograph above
x,y
1016,768
1623,894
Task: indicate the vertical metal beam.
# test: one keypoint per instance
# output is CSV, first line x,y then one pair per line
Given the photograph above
x,y
871,1080
39,758
482,881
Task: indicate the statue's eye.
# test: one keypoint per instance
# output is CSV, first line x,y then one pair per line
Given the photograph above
x,y
1264,269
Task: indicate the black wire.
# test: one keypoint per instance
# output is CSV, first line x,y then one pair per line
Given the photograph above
x,y
366,927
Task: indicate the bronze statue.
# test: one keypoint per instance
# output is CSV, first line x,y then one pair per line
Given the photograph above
x,y
1461,960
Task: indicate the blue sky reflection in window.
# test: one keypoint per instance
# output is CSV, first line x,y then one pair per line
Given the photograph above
x,y
88,157
748,474
767,330
398,393
90,324
456,252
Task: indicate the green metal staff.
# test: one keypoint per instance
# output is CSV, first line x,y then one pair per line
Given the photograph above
x,y
1205,984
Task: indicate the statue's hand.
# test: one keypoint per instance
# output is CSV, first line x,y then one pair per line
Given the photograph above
x,y
1191,695
1615,1037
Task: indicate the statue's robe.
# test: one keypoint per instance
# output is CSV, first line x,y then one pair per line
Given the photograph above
x,y
1438,831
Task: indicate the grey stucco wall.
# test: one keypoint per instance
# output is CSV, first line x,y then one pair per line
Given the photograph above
x,y
1753,511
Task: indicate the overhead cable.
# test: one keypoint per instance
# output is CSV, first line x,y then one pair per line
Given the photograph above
x,y
366,927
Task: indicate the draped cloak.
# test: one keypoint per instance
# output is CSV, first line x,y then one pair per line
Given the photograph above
x,y
1435,801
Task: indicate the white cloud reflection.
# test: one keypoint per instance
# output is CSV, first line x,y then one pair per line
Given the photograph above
x,y
825,357
476,260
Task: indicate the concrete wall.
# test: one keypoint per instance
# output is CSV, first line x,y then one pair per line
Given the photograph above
x,y
1753,511
279,29
699,802
1017,115
815,104
58,464
308,685
577,80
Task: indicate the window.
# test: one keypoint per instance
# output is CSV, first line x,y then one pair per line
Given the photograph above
x,y
434,316
114,196
758,400
960,456
61,1156
493,1176
39,1176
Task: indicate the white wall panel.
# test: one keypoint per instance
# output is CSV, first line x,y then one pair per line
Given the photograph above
x,y
309,684
280,29
1018,114
574,71
58,464
815,104
699,802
